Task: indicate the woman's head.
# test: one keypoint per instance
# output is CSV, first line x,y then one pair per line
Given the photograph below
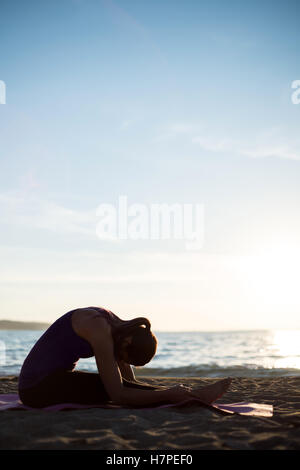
x,y
134,342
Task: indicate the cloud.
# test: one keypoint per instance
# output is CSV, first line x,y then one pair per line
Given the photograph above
x,y
126,123
258,150
221,145
172,130
36,213
266,144
183,128
36,265
272,151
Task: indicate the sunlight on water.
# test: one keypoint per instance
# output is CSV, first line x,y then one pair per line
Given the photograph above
x,y
286,343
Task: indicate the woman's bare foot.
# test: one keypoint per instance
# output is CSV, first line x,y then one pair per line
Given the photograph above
x,y
211,393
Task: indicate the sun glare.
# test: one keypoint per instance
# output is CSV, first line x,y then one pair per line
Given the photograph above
x,y
273,277
286,348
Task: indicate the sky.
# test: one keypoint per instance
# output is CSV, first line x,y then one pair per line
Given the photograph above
x,y
161,102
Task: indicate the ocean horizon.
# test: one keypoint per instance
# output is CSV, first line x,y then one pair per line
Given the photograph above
x,y
243,353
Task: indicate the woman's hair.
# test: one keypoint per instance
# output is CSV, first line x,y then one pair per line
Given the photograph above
x,y
143,345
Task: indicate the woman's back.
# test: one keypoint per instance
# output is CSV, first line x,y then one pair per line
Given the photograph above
x,y
59,348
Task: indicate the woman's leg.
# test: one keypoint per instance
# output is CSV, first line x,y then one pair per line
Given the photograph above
x,y
65,387
70,387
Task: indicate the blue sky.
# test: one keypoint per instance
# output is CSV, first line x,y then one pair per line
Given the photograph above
x,y
164,102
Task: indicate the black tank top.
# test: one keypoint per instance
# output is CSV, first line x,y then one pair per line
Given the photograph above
x,y
59,348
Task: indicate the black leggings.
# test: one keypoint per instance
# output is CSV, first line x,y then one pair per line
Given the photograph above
x,y
71,387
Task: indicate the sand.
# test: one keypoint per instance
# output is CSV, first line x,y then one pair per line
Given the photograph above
x,y
190,428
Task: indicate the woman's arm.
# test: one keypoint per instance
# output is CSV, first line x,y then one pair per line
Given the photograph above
x,y
128,374
98,333
126,371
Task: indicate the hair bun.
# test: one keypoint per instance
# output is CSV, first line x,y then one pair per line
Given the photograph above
x,y
128,326
141,321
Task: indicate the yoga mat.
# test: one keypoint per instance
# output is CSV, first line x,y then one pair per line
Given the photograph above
x,y
11,401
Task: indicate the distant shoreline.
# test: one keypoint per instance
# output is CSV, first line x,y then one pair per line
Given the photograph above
x,y
22,325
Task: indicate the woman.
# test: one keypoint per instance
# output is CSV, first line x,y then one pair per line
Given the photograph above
x,y
47,376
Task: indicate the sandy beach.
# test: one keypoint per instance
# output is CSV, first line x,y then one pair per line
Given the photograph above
x,y
185,428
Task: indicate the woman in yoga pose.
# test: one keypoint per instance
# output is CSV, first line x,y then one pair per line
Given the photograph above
x,y
47,376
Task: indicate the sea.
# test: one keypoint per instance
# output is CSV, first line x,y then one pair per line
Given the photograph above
x,y
255,353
